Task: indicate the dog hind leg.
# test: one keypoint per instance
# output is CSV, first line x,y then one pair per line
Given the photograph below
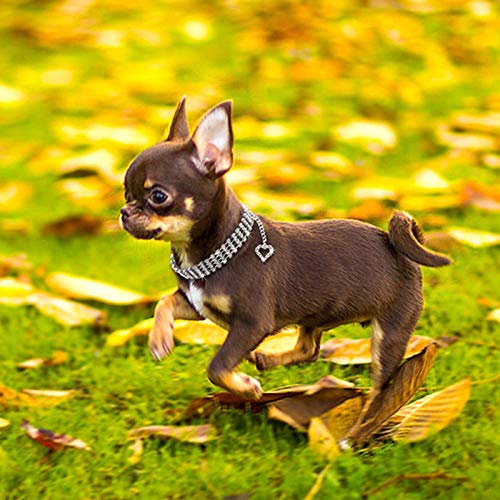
x,y
306,349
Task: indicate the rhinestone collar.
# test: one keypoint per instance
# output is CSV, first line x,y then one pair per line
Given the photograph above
x,y
227,250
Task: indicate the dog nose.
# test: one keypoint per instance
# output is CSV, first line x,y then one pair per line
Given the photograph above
x,y
125,212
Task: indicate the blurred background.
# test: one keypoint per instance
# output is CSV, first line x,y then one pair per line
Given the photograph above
x,y
344,108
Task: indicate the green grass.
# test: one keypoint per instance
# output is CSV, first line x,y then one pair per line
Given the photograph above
x,y
122,388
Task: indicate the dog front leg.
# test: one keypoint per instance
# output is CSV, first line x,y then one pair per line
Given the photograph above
x,y
222,369
168,309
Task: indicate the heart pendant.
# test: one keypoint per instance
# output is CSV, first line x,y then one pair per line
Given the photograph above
x,y
264,251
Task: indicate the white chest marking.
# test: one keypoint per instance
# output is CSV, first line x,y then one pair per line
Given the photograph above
x,y
195,296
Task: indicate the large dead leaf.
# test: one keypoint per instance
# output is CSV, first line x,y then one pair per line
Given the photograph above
x,y
52,440
202,407
357,351
427,415
401,389
199,332
10,398
328,432
77,287
375,136
57,358
14,288
66,312
198,434
494,315
120,337
74,225
474,238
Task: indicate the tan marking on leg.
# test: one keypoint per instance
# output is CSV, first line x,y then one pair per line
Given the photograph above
x,y
239,384
306,349
148,184
169,308
375,347
219,302
189,204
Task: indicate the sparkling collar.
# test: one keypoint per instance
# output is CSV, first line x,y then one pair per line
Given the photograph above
x,y
227,250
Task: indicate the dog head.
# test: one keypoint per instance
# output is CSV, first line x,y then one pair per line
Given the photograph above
x,y
171,186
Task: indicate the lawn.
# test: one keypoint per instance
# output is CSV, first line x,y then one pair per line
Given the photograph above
x,y
332,106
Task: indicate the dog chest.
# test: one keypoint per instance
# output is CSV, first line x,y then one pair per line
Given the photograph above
x,y
195,296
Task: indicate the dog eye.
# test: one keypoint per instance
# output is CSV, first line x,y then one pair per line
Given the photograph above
x,y
158,197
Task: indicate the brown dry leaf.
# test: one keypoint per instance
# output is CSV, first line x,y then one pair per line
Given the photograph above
x,y
77,287
121,337
51,440
298,410
203,407
357,351
494,315
474,238
428,415
14,263
13,195
74,225
66,312
408,379
328,431
198,434
441,241
480,196
57,358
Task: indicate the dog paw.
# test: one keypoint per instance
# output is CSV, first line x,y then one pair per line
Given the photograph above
x,y
260,360
161,341
248,387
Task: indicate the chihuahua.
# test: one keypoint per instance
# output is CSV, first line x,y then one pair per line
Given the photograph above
x,y
254,276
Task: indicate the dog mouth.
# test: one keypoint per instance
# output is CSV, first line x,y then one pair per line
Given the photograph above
x,y
140,233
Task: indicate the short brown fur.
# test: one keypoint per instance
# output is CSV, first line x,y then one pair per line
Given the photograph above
x,y
323,273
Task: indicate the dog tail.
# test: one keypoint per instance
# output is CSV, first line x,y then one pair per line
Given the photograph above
x,y
407,238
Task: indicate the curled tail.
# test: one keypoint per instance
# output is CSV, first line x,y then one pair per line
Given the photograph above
x,y
407,238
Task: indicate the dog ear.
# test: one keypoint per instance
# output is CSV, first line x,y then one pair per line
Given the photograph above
x,y
213,139
179,128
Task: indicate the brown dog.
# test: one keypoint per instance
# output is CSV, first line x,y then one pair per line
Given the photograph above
x,y
255,276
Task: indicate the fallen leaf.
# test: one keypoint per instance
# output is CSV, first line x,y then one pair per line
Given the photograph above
x,y
12,288
494,315
474,238
51,440
57,358
332,162
10,398
375,136
13,195
199,332
137,448
401,389
14,263
370,210
328,432
480,196
441,241
91,192
481,122
77,287
4,423
73,225
198,434
357,351
471,141
203,407
66,312
427,415
120,337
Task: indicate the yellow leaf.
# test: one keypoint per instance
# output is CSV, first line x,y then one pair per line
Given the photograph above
x,y
198,434
358,351
4,423
199,332
120,337
78,287
331,161
428,179
11,287
474,238
10,95
321,440
282,341
57,358
430,414
13,195
494,315
66,312
375,136
137,449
